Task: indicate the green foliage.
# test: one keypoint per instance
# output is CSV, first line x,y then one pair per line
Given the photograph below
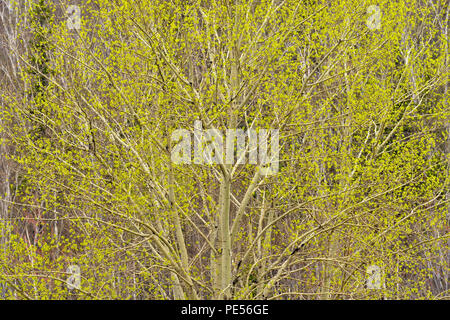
x,y
363,175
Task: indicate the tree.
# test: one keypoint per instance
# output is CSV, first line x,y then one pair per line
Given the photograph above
x,y
361,181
